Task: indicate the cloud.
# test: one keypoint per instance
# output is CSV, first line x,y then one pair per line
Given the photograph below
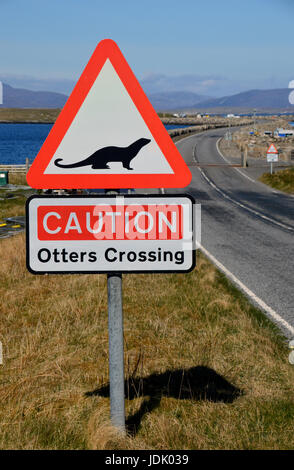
x,y
212,85
151,83
155,83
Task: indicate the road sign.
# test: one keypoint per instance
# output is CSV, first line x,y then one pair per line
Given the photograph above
x,y
272,149
272,157
104,234
108,135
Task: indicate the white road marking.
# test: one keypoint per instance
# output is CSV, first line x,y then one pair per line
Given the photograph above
x,y
226,160
247,208
272,313
246,176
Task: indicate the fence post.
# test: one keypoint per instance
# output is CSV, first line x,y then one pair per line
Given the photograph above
x,y
245,154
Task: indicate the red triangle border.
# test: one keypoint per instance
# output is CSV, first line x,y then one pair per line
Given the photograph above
x,y
108,49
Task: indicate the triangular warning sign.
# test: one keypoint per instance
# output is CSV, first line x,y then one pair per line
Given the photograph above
x,y
108,135
272,149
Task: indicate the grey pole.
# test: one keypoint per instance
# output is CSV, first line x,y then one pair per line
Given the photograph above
x,y
245,156
116,351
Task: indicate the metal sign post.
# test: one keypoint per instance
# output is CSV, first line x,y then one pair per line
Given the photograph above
x,y
116,351
116,346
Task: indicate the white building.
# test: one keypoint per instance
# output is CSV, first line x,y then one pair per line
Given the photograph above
x,y
280,132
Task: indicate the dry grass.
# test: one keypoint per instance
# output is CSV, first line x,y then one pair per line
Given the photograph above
x,y
28,115
17,178
12,202
12,207
282,180
55,343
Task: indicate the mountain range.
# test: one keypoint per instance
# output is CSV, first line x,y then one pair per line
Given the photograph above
x,y
260,99
277,99
169,100
22,98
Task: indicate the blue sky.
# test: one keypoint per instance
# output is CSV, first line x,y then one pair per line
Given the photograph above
x,y
212,47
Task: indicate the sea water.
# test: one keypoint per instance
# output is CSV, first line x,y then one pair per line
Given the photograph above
x,y
21,141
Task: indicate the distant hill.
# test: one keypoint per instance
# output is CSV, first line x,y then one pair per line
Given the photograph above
x,y
164,101
260,99
21,98
173,100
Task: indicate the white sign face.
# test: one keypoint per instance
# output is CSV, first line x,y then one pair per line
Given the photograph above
x,y
272,157
108,117
101,234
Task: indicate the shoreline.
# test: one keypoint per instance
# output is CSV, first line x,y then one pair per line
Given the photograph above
x,y
27,122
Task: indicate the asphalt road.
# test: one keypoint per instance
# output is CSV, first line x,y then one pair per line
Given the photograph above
x,y
246,226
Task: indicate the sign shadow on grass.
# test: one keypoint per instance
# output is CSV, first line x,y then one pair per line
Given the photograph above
x,y
196,383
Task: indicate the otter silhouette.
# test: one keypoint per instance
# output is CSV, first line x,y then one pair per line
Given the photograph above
x,y
100,159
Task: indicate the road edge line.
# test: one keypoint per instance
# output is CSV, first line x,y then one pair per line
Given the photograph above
x,y
243,206
226,160
271,312
266,308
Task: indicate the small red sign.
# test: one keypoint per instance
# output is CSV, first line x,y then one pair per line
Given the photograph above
x,y
272,149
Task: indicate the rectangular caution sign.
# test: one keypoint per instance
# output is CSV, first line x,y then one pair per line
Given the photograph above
x,y
102,234
272,157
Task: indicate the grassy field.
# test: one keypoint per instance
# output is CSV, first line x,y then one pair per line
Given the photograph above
x,y
204,369
17,178
28,115
47,115
12,202
11,206
282,180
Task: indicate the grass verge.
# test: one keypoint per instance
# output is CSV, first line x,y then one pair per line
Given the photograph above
x,y
282,180
204,368
11,206
12,201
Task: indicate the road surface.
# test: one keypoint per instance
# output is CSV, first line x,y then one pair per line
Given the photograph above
x,y
247,228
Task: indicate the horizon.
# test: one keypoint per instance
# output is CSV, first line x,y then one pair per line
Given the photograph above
x,y
150,94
